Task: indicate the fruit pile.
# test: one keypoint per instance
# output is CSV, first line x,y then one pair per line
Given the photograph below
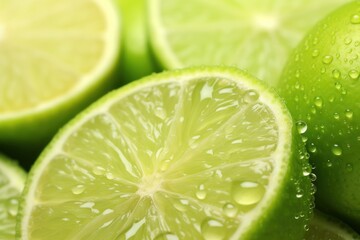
x,y
155,119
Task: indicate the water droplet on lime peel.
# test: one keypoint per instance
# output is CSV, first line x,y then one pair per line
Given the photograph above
x,y
312,148
230,210
315,53
349,167
301,126
336,116
12,207
336,74
349,114
355,19
318,102
336,150
307,170
213,229
327,59
247,192
354,74
347,40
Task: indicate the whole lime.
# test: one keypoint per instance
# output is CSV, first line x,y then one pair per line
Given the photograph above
x,y
321,87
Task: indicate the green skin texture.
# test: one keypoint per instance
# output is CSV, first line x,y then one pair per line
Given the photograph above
x,y
136,57
308,78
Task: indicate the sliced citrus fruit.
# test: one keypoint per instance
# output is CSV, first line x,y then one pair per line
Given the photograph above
x,y
191,154
12,179
326,227
254,35
55,58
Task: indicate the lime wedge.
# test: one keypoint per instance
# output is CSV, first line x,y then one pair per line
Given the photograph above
x,y
326,227
255,35
55,58
12,179
191,154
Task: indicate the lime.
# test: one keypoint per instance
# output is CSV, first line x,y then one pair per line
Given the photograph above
x,y
321,87
12,179
55,58
255,35
326,227
190,154
136,59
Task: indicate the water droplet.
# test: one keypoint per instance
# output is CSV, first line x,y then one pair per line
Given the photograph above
x,y
355,19
329,163
299,193
12,207
336,150
297,73
182,205
201,193
354,74
164,165
212,229
349,167
78,189
349,114
336,74
338,85
312,177
318,102
251,96
230,210
166,236
336,116
347,40
311,148
247,192
307,170
301,126
315,41
306,227
109,175
315,53
327,59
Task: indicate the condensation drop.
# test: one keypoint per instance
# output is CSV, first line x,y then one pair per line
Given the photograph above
x,y
201,193
336,74
166,236
327,59
247,192
315,53
336,116
354,74
311,148
355,19
212,229
318,102
349,167
230,210
336,150
78,189
301,126
349,114
251,96
98,170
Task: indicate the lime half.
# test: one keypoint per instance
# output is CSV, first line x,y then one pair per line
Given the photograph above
x,y
191,154
55,58
326,227
255,35
12,179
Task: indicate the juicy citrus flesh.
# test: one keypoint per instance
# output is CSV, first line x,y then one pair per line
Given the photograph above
x,y
242,33
184,156
326,227
45,56
12,179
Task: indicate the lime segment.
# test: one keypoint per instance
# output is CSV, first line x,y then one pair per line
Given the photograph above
x,y
197,153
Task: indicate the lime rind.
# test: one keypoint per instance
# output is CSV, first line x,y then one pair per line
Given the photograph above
x,y
279,178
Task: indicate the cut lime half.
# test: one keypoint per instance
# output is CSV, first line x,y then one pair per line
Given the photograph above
x,y
55,58
12,179
191,154
254,35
